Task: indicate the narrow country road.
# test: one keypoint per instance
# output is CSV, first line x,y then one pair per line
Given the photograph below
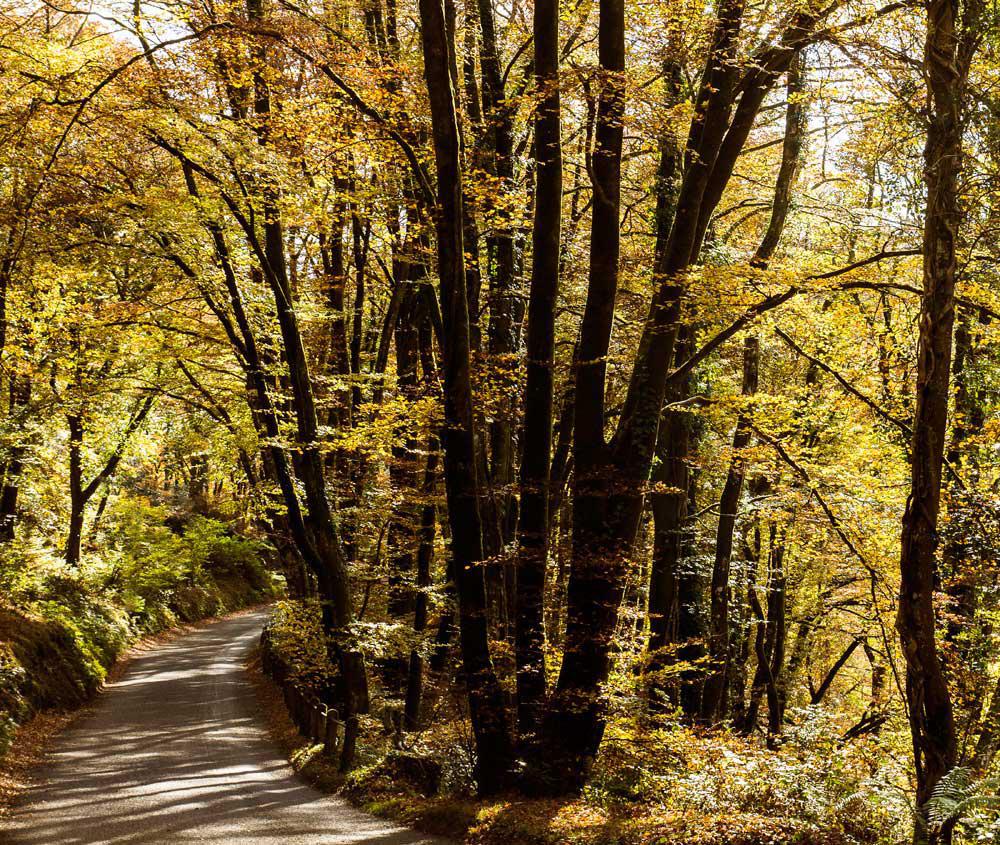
x,y
173,752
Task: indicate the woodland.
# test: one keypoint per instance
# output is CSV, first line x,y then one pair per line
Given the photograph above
x,y
609,390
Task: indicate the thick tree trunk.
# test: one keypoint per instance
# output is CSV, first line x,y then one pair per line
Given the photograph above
x,y
403,471
967,651
503,329
669,623
489,721
536,456
610,482
929,702
574,723
676,620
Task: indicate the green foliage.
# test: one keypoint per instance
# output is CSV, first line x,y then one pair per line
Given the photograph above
x,y
962,796
295,634
196,570
62,627
12,681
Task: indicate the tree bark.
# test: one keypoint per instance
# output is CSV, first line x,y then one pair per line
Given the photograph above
x,y
574,722
76,503
20,395
669,622
489,721
333,576
820,692
425,557
714,702
536,456
928,697
80,494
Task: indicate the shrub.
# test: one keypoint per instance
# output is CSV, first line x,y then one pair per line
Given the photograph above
x,y
294,633
62,627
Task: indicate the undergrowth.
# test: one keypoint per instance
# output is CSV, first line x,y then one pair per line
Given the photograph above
x,y
655,783
63,627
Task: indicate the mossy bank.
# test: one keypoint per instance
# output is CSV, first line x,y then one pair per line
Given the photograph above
x,y
62,628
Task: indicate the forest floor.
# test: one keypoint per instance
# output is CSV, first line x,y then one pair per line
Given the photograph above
x,y
377,788
173,751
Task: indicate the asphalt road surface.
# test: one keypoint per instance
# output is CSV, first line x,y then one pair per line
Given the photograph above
x,y
174,752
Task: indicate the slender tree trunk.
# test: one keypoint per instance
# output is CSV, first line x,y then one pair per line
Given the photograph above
x,y
76,501
743,637
820,692
425,556
81,494
360,236
20,395
329,560
715,699
489,721
989,734
769,641
777,601
714,702
536,457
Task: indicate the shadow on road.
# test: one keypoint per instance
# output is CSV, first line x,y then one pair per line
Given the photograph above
x,y
174,753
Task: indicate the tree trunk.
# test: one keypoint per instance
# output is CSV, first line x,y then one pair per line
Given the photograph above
x,y
714,703
319,531
538,391
820,692
502,331
489,721
425,557
769,641
20,395
929,703
80,495
966,651
76,501
676,621
574,723
715,698
669,623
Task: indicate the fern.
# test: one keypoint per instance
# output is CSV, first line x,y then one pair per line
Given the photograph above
x,y
959,793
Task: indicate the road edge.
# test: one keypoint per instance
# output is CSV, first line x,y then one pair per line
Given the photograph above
x,y
35,738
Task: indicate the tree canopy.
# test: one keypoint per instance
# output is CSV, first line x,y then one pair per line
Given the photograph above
x,y
598,374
